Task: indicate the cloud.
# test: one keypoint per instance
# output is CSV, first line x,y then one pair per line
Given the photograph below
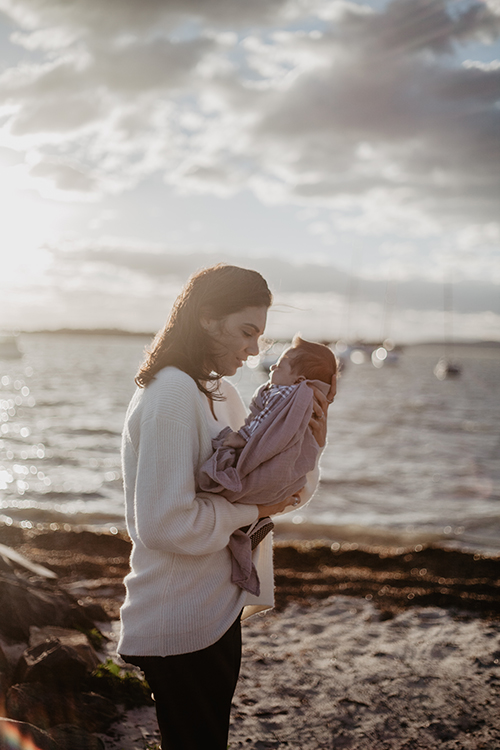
x,y
56,24
155,265
415,25
334,104
428,130
62,180
132,285
82,86
146,261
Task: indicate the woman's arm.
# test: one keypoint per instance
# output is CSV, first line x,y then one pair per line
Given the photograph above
x,y
163,506
169,515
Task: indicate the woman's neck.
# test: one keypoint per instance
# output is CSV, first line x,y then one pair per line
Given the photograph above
x,y
210,400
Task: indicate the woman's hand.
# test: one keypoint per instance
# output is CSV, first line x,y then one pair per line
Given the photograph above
x,y
269,510
321,403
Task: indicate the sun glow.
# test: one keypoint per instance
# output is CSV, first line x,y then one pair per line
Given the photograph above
x,y
28,223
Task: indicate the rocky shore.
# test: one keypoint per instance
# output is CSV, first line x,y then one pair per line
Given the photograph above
x,y
60,688
368,647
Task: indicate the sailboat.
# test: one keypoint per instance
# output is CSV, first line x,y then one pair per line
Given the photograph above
x,y
350,348
386,353
446,367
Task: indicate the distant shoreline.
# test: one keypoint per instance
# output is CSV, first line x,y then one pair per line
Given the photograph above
x,y
150,334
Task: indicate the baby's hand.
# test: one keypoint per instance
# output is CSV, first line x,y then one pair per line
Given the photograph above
x,y
234,440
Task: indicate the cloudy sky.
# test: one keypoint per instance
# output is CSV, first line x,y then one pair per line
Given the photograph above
x,y
349,150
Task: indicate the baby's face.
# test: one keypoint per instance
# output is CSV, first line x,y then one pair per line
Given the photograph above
x,y
281,372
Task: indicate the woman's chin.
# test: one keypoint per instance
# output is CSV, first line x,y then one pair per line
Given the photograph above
x,y
228,372
237,367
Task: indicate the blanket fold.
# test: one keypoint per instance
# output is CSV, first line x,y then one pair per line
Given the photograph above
x,y
271,467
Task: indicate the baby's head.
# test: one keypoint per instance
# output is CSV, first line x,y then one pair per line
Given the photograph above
x,y
304,360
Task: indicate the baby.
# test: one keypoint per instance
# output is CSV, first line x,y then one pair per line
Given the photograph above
x,y
271,455
304,360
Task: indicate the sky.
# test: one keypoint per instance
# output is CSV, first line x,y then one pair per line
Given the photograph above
x,y
348,150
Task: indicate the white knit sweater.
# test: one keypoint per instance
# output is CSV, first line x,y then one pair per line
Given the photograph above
x,y
179,595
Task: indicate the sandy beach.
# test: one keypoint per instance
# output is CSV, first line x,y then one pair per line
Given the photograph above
x,y
368,648
333,674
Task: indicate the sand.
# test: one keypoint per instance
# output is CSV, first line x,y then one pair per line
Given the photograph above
x,y
333,674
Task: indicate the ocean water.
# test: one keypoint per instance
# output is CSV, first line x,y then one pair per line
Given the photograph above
x,y
408,456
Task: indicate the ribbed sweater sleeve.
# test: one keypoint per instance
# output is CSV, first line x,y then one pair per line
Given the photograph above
x,y
168,514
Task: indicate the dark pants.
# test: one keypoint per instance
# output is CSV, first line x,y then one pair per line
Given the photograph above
x,y
193,692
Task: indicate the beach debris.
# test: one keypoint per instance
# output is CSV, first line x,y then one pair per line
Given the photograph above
x,y
16,557
393,578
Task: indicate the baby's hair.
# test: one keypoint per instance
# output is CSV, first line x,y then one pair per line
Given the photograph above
x,y
313,361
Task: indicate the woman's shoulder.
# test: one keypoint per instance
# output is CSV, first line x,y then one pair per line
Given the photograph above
x,y
172,376
172,393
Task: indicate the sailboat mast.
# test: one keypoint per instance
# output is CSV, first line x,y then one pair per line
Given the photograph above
x,y
448,318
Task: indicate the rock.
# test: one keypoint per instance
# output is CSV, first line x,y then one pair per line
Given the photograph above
x,y
12,652
70,737
51,662
19,734
36,704
97,712
95,611
67,637
4,671
120,685
4,664
5,565
4,686
24,604
45,707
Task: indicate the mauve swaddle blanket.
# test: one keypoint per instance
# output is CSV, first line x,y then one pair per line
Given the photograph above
x,y
271,467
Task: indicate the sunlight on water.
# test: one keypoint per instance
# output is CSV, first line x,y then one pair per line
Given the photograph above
x,y
406,454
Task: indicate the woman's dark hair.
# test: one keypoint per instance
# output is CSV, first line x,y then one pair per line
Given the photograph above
x,y
212,292
313,361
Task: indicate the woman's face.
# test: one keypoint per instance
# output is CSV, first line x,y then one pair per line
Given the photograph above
x,y
237,336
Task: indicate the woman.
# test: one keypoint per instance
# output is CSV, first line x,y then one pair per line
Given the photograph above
x,y
181,615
